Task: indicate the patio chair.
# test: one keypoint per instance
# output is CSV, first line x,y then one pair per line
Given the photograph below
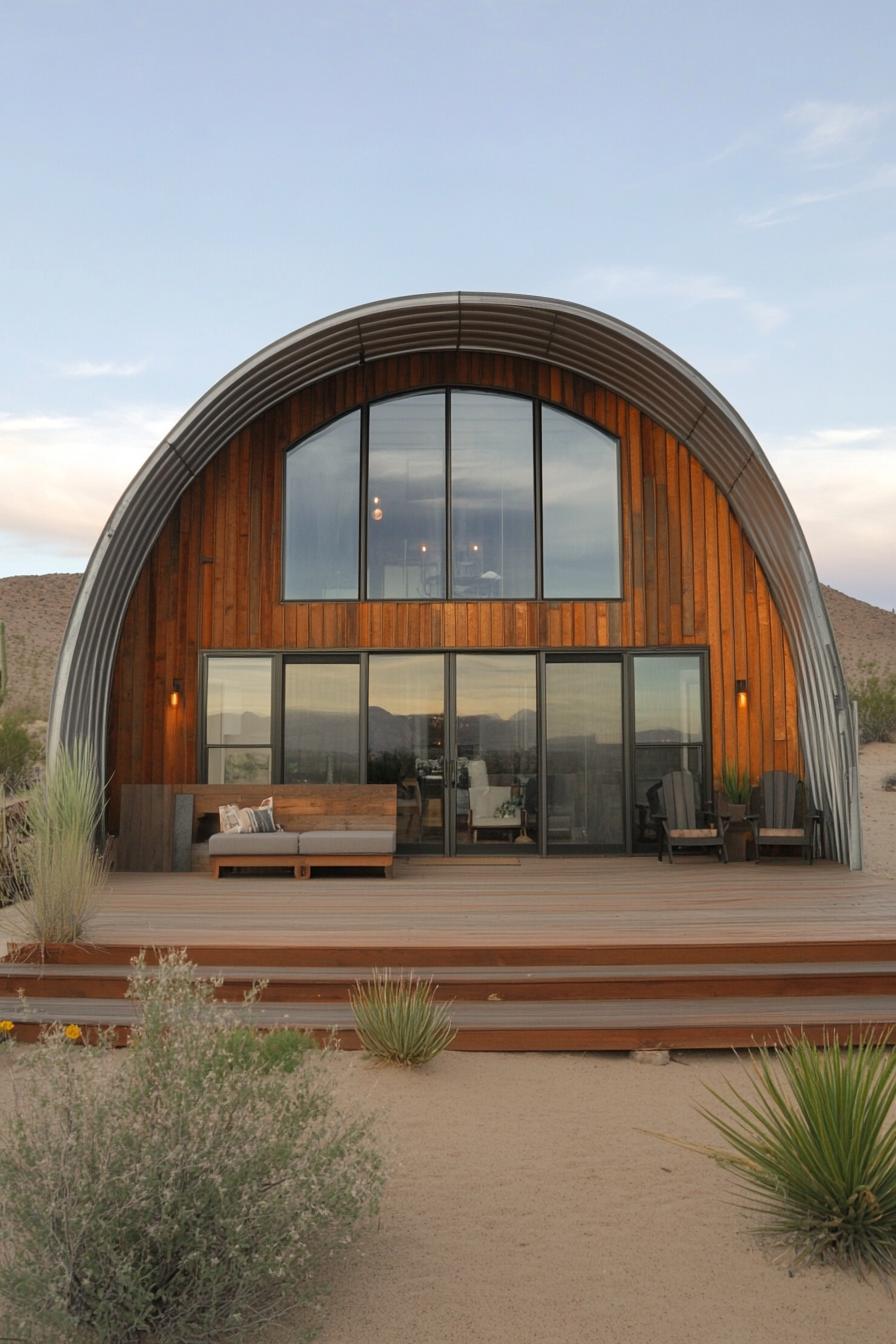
x,y
781,813
681,821
492,807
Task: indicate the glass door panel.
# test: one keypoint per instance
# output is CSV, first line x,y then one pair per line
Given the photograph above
x,y
584,757
406,742
496,766
238,720
320,722
668,714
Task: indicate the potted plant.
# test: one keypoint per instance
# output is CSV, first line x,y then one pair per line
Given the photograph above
x,y
734,796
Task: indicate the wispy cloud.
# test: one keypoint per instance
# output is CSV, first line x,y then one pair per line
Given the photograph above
x,y
689,290
791,206
851,540
71,470
826,129
89,368
813,440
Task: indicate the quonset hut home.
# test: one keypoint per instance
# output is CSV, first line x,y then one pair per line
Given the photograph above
x,y
506,553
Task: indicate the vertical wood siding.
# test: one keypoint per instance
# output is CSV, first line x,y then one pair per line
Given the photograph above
x,y
212,580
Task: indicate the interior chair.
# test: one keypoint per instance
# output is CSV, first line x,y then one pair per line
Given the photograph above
x,y
486,800
681,820
781,813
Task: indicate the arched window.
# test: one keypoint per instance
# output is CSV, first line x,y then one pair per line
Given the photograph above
x,y
469,495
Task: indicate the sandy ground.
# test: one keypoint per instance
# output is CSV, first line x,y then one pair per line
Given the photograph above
x,y
877,760
523,1204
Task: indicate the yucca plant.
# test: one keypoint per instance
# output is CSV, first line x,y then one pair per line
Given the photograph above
x,y
814,1145
397,1018
60,870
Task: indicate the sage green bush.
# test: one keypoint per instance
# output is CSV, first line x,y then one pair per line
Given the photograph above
x,y
60,870
813,1143
398,1018
282,1049
874,692
149,1194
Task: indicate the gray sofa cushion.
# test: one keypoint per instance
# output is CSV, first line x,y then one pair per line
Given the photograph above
x,y
255,842
347,842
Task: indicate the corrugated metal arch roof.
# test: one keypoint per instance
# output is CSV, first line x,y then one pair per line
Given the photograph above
x,y
577,338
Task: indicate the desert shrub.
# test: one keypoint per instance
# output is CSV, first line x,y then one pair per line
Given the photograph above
x,y
889,782
814,1146
18,753
282,1049
155,1195
12,836
398,1019
875,695
60,869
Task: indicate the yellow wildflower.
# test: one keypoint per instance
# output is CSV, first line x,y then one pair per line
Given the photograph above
x,y
7,1026
73,1032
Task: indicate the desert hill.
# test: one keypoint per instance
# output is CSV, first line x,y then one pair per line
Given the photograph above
x,y
35,608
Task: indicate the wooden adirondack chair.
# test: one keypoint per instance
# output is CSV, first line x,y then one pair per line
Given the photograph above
x,y
781,813
681,820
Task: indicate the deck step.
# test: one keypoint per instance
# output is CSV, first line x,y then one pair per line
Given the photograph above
x,y
495,983
539,1024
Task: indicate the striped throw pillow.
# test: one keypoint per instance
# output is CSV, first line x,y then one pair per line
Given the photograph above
x,y
256,819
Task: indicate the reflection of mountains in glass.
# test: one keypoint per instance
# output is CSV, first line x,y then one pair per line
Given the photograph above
x,y
654,736
327,730
489,732
247,727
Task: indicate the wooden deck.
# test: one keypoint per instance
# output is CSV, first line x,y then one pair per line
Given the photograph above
x,y
573,953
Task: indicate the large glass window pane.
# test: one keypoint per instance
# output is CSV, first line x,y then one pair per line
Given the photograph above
x,y
492,496
580,508
320,722
320,556
668,726
238,720
584,764
406,741
406,498
497,748
239,765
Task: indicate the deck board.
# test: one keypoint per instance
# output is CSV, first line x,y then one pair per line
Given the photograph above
x,y
541,903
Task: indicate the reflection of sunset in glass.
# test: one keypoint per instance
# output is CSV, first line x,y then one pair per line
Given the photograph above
x,y
238,700
407,683
668,698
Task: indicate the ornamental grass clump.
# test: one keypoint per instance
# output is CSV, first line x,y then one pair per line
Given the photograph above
x,y
398,1018
150,1194
60,872
813,1143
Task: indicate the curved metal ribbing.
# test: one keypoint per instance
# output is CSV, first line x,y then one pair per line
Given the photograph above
x,y
577,338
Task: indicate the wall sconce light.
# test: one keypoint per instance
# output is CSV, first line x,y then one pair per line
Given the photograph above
x,y
740,692
177,690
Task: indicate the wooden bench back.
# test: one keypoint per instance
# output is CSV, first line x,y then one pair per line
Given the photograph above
x,y
305,807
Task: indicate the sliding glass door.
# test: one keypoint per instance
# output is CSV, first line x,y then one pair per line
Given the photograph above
x,y
406,742
584,756
495,772
668,710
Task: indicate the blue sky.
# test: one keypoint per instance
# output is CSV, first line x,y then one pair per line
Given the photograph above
x,y
185,182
